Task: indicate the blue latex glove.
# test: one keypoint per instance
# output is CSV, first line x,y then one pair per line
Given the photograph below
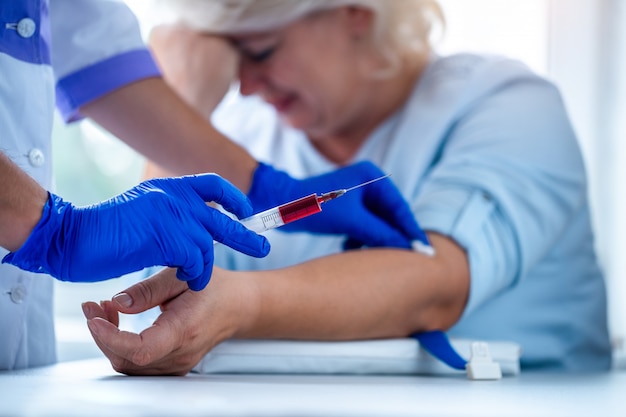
x,y
159,222
374,215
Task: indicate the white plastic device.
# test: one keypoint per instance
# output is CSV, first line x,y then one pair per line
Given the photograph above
x,y
480,365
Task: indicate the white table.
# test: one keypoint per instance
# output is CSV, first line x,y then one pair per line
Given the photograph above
x,y
92,388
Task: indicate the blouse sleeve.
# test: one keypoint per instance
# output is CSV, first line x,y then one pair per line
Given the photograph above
x,y
96,48
509,179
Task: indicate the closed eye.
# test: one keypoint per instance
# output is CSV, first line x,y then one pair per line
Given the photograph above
x,y
261,56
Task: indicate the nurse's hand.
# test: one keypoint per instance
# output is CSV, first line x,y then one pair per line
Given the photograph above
x,y
375,215
159,222
190,324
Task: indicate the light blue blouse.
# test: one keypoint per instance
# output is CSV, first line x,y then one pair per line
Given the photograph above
x,y
484,152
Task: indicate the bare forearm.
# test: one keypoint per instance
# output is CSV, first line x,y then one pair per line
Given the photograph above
x,y
21,204
155,121
361,295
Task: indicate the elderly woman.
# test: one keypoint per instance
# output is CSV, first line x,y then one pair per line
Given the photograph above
x,y
480,146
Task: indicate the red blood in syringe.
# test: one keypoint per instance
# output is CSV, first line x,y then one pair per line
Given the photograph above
x,y
300,208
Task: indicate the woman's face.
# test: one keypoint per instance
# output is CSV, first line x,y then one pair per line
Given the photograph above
x,y
309,71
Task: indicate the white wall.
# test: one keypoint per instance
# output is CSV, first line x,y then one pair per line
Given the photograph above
x,y
518,29
587,60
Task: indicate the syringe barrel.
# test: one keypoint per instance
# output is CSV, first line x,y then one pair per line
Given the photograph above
x,y
284,214
265,220
299,209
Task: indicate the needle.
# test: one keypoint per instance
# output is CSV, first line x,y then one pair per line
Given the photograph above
x,y
368,182
338,193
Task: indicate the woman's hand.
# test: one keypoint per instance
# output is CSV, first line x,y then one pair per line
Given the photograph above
x,y
190,325
197,66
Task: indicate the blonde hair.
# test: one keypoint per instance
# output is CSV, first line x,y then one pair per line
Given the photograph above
x,y
401,25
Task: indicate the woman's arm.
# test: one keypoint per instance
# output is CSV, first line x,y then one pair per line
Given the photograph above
x,y
376,293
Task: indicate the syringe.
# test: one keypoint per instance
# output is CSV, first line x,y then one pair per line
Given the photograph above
x,y
295,210
306,206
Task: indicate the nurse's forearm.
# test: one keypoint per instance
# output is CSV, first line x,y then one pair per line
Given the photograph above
x,y
378,293
150,117
21,204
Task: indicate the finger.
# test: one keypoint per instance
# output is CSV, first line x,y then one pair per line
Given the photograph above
x,y
149,293
193,265
151,345
383,198
374,232
386,201
198,284
124,365
111,312
235,235
212,187
200,281
96,327
92,310
194,258
93,325
352,243
229,232
205,258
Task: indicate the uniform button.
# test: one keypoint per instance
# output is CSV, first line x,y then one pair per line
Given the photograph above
x,y
26,27
36,157
18,294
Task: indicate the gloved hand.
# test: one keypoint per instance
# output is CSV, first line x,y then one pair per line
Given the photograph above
x,y
373,215
159,222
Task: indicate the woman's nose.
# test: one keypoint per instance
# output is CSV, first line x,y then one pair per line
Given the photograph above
x,y
250,79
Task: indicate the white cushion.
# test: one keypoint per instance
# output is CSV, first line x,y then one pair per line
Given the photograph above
x,y
373,357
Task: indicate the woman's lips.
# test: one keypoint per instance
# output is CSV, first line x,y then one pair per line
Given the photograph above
x,y
282,105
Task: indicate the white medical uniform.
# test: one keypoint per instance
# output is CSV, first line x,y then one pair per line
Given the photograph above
x,y
86,48
485,154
